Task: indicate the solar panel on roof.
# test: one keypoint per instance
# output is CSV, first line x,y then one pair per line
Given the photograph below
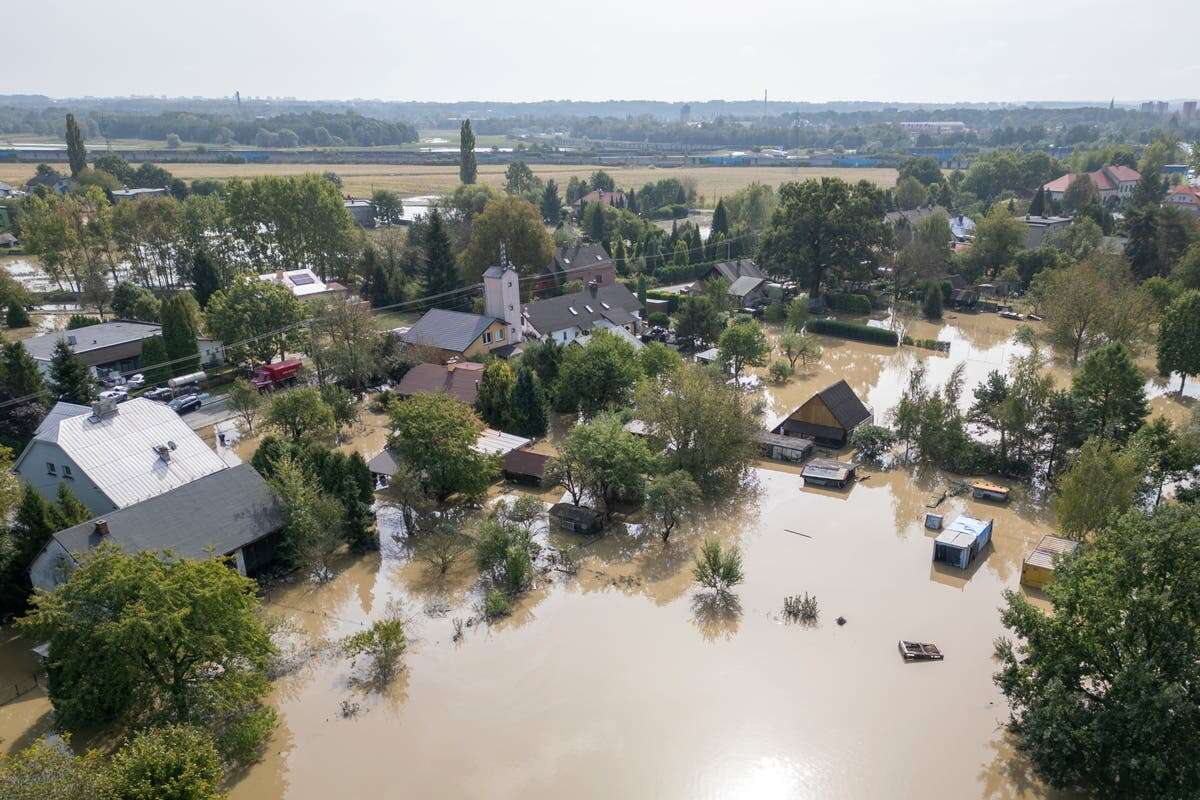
x,y
301,279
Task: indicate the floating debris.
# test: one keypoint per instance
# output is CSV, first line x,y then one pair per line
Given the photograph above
x,y
840,620
920,651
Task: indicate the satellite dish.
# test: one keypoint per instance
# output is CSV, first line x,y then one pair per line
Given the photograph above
x,y
171,444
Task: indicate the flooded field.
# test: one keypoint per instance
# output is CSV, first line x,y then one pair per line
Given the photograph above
x,y
624,680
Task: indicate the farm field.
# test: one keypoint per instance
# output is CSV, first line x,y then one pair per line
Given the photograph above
x,y
362,179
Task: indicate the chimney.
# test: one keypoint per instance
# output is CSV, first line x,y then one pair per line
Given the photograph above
x,y
101,527
103,408
71,341
164,452
593,286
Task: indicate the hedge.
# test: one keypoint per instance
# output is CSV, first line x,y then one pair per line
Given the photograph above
x,y
672,299
928,344
852,330
671,274
849,303
674,211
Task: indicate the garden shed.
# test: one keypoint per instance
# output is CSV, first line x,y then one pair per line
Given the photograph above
x,y
962,541
1038,568
827,472
783,448
576,519
828,417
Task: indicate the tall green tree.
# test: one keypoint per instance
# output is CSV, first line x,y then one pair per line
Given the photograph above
x,y
1102,690
514,223
599,376
742,345
300,414
551,203
180,329
530,409
467,167
825,227
19,373
494,401
609,462
1179,338
698,317
154,361
256,319
1109,392
720,221
1037,207
441,273
70,378
669,499
435,435
76,152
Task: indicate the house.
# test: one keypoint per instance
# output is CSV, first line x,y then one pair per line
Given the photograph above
x,y
963,299
233,512
568,316
747,292
459,380
783,448
115,345
962,541
361,211
732,270
962,228
827,472
576,519
55,182
524,466
114,456
458,334
828,417
1114,183
489,442
305,284
1038,567
1038,228
1184,197
125,195
621,333
615,199
581,261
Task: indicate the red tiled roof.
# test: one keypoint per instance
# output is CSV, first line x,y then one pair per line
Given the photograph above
x,y
1185,189
1123,174
1105,179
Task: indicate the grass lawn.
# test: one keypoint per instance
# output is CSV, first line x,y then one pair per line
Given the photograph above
x,y
386,320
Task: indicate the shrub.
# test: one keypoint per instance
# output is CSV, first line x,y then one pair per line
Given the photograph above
x,y
804,608
853,330
932,307
658,318
672,299
243,741
673,211
871,441
496,604
17,316
717,568
781,371
81,321
849,303
776,312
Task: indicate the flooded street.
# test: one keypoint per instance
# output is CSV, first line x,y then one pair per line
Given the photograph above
x,y
623,680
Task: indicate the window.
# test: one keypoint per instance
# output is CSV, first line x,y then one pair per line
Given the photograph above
x,y
487,338
500,335
67,472
50,468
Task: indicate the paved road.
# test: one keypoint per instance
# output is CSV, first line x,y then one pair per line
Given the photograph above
x,y
210,412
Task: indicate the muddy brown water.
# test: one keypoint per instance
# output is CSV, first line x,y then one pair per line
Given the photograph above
x,y
625,680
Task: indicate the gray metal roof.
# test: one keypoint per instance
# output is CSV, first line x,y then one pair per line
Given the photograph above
x,y
92,337
218,513
737,268
744,286
384,463
448,330
582,309
844,404
47,429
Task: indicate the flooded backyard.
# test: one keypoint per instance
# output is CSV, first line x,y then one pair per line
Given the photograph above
x,y
623,680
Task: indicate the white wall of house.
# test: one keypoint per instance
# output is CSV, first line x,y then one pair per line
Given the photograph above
x,y
35,469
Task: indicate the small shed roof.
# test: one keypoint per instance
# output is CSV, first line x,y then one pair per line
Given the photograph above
x,y
1049,549
525,462
498,442
574,513
963,531
778,439
384,463
827,469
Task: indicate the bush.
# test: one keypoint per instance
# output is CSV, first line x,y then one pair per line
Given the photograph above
x,y
17,316
804,608
81,321
928,344
849,303
658,318
243,741
718,569
496,604
673,211
671,273
776,312
781,371
871,441
853,330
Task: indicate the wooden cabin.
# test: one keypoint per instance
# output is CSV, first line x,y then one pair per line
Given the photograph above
x,y
576,519
783,448
982,490
828,417
523,466
828,473
1038,567
962,541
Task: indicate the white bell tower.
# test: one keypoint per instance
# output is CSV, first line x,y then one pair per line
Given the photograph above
x,y
502,296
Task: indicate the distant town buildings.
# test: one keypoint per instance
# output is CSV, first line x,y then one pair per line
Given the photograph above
x,y
1115,183
1184,197
934,127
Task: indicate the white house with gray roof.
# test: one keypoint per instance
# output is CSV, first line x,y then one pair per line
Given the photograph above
x,y
114,456
570,316
232,513
114,345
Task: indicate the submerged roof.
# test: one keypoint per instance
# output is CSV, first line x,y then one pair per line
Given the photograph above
x,y
448,330
92,337
828,469
1049,550
117,452
963,531
498,442
216,514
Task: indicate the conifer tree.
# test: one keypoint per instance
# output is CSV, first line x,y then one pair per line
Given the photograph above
x,y
720,221
76,153
70,378
179,332
467,167
154,359
441,273
1037,207
530,410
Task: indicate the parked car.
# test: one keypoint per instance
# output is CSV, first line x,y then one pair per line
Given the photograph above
x,y
182,405
119,395
112,380
162,395
135,381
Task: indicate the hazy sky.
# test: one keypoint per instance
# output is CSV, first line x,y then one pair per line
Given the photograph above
x,y
898,50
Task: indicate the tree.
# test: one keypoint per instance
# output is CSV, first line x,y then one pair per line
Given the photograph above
x,y
870,442
529,412
1080,193
177,762
1109,393
76,152
658,359
382,644
998,238
50,771
599,376
910,194
743,344
669,498
441,273
300,413
823,226
717,568
1102,483
154,361
70,378
800,347
312,520
182,640
17,316
436,435
494,401
1037,207
245,400
255,319
180,329
467,168
514,223
1179,338
697,317
608,462
925,169
1073,304
720,222
701,424
343,342
389,208
519,179
551,203
797,312
932,306
1101,690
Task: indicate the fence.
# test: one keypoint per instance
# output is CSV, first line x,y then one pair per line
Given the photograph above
x,y
14,691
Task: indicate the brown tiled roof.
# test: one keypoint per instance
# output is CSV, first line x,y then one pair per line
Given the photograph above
x,y
461,381
524,462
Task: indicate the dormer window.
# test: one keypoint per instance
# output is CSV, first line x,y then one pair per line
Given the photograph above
x,y
573,311
589,309
606,305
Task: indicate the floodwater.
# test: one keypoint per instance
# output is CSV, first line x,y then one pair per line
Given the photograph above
x,y
624,680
